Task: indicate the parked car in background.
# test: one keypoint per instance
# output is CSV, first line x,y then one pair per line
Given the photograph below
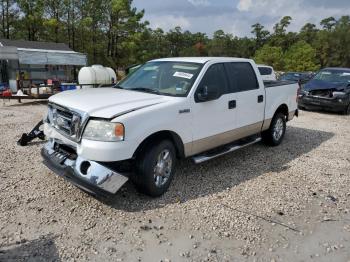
x,y
328,90
301,77
267,73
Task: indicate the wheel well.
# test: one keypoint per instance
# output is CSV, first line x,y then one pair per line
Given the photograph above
x,y
283,109
162,135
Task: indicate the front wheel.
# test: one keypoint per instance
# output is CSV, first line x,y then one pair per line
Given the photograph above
x,y
155,168
275,134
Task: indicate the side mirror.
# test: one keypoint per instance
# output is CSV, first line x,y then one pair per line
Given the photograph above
x,y
206,93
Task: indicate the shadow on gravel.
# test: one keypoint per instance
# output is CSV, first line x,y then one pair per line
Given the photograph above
x,y
193,181
36,142
323,112
31,103
42,249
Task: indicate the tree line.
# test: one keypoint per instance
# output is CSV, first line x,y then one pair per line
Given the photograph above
x,y
113,33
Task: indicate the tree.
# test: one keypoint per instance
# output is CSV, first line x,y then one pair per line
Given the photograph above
x,y
328,23
9,15
332,44
222,44
32,12
71,21
270,55
113,33
175,38
341,42
300,57
260,35
281,27
308,33
124,30
324,48
54,10
280,37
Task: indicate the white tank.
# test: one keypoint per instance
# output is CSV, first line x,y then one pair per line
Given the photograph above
x,y
96,75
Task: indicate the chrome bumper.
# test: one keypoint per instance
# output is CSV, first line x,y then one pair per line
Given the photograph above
x,y
85,174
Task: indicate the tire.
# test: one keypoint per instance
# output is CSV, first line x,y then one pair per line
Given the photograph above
x,y
155,168
275,134
347,111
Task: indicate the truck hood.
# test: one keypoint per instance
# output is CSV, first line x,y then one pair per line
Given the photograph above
x,y
316,84
106,102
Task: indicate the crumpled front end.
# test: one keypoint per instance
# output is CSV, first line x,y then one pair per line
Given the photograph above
x,y
328,99
91,176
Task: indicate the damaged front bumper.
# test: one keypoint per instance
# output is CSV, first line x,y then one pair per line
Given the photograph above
x,y
336,104
88,175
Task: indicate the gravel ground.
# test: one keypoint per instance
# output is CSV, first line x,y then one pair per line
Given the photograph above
x,y
288,203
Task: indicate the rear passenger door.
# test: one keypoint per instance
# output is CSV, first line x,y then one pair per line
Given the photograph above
x,y
213,121
250,97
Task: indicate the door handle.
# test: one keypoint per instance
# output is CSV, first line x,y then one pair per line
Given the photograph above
x,y
260,99
232,104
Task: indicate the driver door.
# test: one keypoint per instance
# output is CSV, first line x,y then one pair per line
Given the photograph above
x,y
214,120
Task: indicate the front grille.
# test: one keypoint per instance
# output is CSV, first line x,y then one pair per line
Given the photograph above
x,y
322,93
64,120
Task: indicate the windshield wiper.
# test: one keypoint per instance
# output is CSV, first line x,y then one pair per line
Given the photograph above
x,y
145,89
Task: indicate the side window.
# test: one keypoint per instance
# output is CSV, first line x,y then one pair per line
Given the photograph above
x,y
241,77
215,77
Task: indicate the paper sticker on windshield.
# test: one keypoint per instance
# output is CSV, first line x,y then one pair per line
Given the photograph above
x,y
183,75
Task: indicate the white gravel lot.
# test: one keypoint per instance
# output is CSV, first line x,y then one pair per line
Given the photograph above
x,y
288,203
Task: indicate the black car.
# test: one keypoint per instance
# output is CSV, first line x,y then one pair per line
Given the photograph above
x,y
296,77
328,90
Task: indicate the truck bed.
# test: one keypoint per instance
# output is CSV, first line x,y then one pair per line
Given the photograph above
x,y
268,84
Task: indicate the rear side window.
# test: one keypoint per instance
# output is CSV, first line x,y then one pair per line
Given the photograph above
x,y
215,76
264,71
241,77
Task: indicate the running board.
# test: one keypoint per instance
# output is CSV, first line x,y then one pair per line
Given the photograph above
x,y
225,150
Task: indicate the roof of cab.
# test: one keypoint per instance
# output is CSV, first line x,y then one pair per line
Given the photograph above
x,y
202,60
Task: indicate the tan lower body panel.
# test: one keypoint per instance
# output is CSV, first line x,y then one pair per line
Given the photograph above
x,y
205,144
266,124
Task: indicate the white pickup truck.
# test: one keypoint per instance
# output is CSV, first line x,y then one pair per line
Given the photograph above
x,y
167,110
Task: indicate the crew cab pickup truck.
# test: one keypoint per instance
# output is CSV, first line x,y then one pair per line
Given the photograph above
x,y
166,110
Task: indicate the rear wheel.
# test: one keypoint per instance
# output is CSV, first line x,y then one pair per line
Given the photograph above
x,y
155,168
275,134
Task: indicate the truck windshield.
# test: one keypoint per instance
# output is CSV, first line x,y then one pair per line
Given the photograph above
x,y
334,76
164,78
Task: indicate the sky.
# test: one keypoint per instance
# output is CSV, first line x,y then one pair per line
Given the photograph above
x,y
237,16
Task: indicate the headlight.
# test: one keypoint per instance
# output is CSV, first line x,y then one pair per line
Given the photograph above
x,y
338,94
303,92
100,130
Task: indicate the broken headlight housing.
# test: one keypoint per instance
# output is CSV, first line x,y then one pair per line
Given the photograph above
x,y
102,130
